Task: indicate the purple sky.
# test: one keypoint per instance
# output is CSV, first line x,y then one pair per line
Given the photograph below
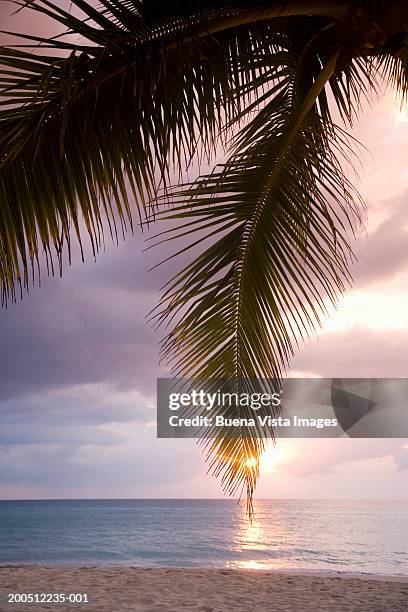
x,y
79,362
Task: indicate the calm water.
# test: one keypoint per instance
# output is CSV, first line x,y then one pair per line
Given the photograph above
x,y
309,535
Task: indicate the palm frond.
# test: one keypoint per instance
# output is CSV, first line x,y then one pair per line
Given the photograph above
x,y
278,214
84,134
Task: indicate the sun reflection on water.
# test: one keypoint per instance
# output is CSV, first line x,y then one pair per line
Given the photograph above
x,y
257,544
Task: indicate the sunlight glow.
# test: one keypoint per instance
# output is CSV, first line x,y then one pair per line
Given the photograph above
x,y
269,458
251,462
401,112
371,309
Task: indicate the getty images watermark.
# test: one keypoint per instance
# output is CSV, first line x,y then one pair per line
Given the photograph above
x,y
226,402
295,407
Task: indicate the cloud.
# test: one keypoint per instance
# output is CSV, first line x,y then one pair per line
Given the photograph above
x,y
88,327
99,468
327,456
356,353
383,253
401,459
75,416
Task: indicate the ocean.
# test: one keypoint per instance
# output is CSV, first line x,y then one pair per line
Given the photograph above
x,y
348,536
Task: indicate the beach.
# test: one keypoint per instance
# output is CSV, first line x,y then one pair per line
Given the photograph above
x,y
204,590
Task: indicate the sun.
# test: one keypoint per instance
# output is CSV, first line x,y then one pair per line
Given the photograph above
x,y
267,460
251,463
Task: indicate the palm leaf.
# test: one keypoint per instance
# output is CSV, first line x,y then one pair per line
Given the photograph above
x,y
279,215
279,211
84,134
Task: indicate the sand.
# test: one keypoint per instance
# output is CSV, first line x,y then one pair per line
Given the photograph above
x,y
204,590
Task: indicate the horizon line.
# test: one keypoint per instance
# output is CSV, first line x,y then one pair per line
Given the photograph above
x,y
203,499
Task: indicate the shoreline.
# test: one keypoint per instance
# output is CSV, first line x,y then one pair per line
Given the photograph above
x,y
250,570
205,590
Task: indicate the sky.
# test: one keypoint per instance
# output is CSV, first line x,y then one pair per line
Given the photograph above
x,y
79,362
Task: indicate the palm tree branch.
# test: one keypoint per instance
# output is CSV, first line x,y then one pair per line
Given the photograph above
x,y
250,230
260,285
59,114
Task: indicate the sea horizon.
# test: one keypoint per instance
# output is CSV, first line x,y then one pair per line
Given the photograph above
x,y
224,499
